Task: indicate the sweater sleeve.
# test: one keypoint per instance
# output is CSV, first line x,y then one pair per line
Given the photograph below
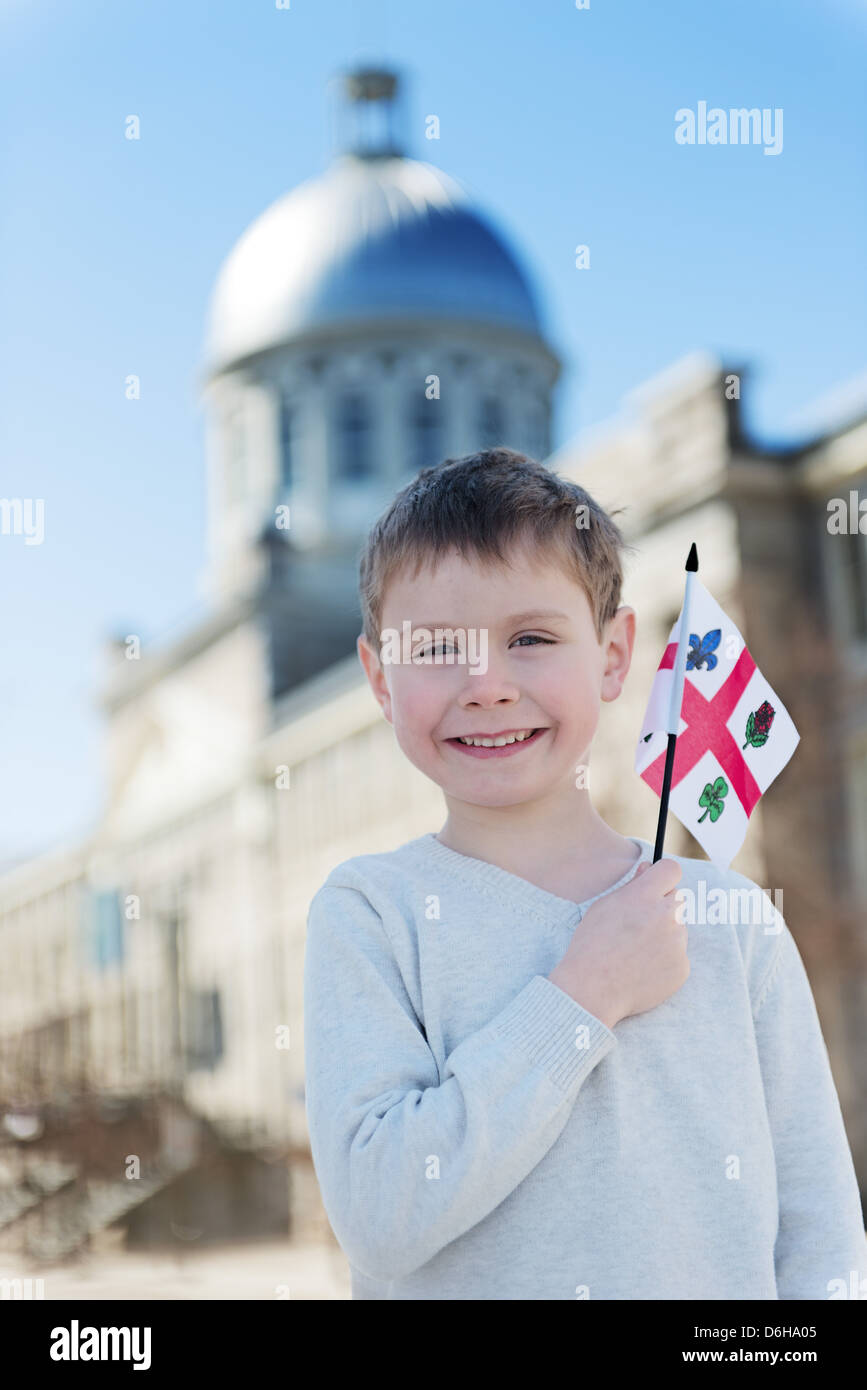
x,y
820,1248
407,1160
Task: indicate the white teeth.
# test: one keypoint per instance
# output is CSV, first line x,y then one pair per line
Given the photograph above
x,y
497,742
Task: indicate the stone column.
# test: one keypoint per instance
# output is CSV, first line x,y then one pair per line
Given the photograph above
x,y
262,447
311,441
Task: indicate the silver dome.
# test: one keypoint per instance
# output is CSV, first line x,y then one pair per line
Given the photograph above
x,y
371,239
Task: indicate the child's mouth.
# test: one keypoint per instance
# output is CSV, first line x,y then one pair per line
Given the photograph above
x,y
505,750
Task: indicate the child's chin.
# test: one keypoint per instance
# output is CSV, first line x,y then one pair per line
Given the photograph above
x,y
492,798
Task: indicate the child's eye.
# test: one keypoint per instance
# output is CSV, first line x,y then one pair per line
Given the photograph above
x,y
534,637
438,649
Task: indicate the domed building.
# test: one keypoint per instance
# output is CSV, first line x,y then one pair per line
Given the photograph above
x,y
371,322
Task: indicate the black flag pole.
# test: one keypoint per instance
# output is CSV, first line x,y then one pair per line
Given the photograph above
x,y
679,675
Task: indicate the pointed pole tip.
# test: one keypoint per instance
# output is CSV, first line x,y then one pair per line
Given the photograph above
x,y
692,558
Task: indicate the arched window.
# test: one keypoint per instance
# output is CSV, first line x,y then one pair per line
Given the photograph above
x,y
491,427
354,438
287,424
426,433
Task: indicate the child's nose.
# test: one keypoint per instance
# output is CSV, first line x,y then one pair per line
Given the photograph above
x,y
490,687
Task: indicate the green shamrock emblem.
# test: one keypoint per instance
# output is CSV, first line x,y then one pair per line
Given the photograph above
x,y
712,798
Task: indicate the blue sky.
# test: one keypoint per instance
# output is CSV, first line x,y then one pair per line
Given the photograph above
x,y
560,121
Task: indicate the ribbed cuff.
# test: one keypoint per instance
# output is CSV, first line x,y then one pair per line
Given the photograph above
x,y
558,1034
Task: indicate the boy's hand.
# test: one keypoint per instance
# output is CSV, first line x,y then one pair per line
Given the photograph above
x,y
628,953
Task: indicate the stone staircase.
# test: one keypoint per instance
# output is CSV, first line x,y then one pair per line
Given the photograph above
x,y
197,1177
62,1221
56,1193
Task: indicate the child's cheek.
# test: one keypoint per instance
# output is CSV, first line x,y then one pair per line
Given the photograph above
x,y
416,708
577,710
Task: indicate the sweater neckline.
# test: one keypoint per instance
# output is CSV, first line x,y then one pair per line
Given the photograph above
x,y
480,873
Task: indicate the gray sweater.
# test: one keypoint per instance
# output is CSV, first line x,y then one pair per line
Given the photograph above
x,y
477,1134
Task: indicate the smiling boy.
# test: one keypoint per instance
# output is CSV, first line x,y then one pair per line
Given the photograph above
x,y
526,1077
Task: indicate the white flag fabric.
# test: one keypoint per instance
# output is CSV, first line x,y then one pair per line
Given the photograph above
x,y
734,737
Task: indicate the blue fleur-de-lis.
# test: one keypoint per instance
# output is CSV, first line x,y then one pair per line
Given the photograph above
x,y
702,649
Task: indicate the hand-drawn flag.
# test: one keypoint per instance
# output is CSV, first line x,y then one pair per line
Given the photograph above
x,y
734,735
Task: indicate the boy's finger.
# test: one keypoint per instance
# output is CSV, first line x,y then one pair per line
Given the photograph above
x,y
665,874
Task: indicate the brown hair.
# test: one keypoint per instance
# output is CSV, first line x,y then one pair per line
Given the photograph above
x,y
483,504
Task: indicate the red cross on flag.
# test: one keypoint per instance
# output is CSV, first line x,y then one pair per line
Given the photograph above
x,y
734,735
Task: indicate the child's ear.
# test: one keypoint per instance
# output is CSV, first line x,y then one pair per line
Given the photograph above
x,y
375,674
618,642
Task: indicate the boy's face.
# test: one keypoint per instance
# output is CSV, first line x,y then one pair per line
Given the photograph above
x,y
545,673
